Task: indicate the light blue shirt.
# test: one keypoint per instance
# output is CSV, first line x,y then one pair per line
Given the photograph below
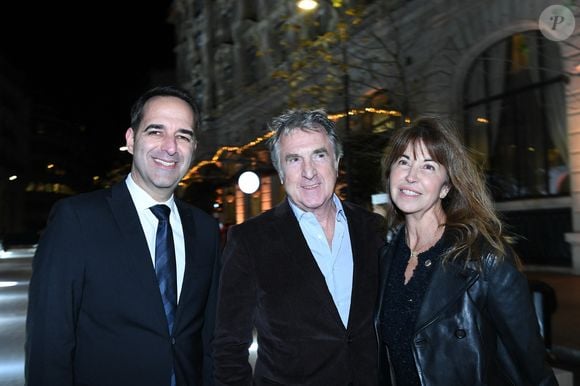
x,y
335,263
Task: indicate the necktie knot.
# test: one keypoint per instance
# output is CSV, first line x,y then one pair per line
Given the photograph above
x,y
161,211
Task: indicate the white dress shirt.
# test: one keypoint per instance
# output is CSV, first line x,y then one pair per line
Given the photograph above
x,y
143,201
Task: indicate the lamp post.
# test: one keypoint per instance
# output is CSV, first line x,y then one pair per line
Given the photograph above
x,y
309,5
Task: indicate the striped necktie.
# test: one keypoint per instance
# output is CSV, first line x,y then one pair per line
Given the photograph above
x,y
165,262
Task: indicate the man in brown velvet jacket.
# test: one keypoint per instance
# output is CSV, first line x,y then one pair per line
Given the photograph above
x,y
303,274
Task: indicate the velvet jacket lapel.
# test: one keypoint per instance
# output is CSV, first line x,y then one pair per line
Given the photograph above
x,y
133,246
364,260
298,251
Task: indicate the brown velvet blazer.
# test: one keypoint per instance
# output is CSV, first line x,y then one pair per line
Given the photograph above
x,y
271,282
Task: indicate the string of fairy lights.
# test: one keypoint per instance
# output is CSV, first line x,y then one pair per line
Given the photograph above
x,y
239,149
233,149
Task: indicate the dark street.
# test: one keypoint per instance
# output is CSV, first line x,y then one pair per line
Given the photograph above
x,y
15,273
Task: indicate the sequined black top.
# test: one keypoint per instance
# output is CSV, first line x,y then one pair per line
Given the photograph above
x,y
401,307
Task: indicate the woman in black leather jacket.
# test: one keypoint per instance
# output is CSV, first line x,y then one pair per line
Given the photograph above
x,y
453,308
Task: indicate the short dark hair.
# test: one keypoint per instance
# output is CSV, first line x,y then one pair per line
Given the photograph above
x,y
167,91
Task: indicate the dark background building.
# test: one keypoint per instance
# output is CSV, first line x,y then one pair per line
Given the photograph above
x,y
375,65
69,74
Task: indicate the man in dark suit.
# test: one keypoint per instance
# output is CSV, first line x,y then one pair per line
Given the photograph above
x,y
97,315
303,274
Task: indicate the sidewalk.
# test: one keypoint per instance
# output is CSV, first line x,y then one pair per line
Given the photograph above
x,y
565,321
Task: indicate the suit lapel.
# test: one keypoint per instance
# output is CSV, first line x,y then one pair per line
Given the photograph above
x,y
134,244
189,237
299,252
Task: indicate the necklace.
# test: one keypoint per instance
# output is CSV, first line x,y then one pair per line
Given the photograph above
x,y
432,241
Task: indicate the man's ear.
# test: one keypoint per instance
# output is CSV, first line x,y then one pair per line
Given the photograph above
x,y
336,165
130,139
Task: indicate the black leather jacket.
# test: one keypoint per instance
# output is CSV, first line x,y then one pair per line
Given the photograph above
x,y
475,327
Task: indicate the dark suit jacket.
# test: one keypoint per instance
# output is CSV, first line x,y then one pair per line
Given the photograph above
x,y
270,280
95,313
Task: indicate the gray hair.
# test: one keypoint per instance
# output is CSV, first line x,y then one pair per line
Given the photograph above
x,y
305,120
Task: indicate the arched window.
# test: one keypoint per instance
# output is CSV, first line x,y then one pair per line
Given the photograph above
x,y
515,117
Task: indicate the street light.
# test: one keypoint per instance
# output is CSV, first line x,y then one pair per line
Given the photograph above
x,y
309,5
249,182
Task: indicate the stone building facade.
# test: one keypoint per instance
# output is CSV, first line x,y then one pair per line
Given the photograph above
x,y
486,64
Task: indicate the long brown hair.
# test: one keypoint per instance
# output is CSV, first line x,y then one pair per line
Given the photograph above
x,y
471,216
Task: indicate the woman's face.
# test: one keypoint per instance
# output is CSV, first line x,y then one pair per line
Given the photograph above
x,y
417,183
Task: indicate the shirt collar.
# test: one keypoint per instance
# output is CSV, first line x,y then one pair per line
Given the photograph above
x,y
142,199
299,213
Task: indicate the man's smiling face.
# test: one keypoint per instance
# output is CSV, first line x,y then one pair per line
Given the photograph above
x,y
162,146
309,167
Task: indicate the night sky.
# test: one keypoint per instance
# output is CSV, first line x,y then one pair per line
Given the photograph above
x,y
86,62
